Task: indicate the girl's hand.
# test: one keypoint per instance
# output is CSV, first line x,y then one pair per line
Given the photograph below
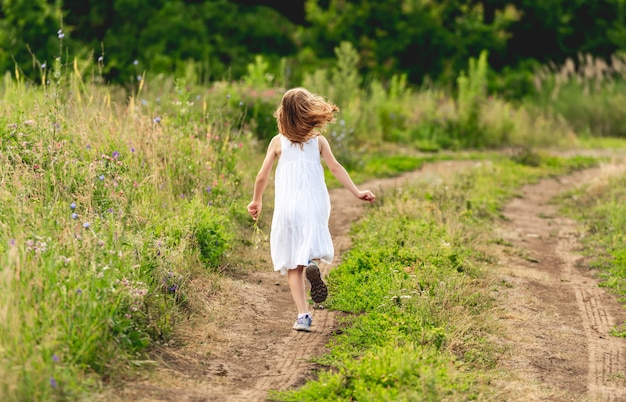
x,y
366,195
254,209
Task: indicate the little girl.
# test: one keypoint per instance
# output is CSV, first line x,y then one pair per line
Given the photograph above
x,y
299,236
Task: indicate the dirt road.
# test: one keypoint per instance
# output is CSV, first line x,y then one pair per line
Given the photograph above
x,y
555,318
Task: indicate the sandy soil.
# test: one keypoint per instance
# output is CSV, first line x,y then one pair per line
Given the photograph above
x,y
555,318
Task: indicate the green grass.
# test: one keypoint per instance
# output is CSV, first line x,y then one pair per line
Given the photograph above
x,y
415,290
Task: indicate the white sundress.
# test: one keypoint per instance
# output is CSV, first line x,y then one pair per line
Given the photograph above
x,y
299,231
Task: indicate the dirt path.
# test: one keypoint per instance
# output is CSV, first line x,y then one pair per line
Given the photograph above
x,y
242,346
556,318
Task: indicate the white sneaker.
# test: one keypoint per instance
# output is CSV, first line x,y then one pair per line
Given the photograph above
x,y
303,323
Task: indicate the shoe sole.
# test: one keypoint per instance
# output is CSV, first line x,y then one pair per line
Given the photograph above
x,y
319,291
302,328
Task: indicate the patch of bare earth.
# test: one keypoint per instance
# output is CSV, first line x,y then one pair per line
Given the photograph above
x,y
557,319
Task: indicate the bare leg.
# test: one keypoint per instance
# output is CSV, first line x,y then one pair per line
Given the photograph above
x,y
295,278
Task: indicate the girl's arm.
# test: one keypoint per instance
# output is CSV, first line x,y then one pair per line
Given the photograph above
x,y
340,172
254,208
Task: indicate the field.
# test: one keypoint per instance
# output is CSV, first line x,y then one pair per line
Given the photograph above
x,y
131,270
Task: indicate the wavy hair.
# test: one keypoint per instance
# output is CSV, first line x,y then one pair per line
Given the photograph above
x,y
302,115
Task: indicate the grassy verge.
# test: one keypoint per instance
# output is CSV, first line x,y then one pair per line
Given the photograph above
x,y
108,212
415,290
601,208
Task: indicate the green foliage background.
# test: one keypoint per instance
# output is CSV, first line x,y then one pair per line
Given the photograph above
x,y
428,41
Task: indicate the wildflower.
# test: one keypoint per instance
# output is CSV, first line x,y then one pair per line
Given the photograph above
x,y
139,78
136,62
43,66
144,102
74,216
100,59
101,177
12,242
88,146
79,291
110,210
228,96
157,119
60,33
115,155
209,189
73,205
86,225
132,150
53,382
55,358
240,103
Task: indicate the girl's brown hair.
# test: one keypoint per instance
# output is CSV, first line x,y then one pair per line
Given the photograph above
x,y
302,114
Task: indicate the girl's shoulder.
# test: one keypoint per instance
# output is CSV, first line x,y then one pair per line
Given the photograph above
x,y
321,141
275,144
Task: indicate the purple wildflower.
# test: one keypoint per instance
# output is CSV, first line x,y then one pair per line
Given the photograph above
x,y
53,382
101,177
55,358
115,155
86,225
157,119
74,216
73,205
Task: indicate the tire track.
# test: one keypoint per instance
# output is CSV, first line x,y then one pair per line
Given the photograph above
x,y
606,353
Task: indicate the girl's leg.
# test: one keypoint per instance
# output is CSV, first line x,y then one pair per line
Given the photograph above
x,y
295,278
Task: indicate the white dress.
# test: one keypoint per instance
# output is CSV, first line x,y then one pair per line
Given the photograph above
x,y
299,231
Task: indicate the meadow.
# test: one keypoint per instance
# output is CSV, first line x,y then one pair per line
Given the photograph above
x,y
114,199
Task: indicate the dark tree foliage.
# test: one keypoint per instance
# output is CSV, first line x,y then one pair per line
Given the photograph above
x,y
420,38
424,39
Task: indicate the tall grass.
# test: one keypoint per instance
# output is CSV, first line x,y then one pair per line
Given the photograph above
x,y
109,206
588,92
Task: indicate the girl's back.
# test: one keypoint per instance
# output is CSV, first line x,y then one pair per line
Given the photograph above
x,y
301,206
